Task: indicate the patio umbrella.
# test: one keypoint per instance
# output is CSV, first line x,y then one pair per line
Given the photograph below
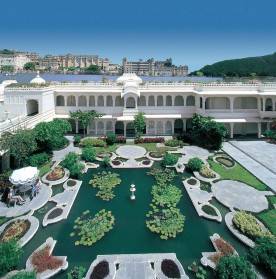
x,y
24,176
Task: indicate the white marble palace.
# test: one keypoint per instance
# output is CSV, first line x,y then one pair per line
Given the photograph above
x,y
245,109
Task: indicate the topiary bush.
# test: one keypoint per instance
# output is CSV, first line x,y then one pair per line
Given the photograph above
x,y
110,138
88,154
39,159
88,142
264,254
169,159
10,254
234,267
195,164
248,225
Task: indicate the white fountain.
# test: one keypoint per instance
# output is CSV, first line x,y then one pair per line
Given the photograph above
x,y
132,190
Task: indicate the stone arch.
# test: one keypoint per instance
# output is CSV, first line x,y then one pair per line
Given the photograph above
x,y
151,101
189,124
151,127
178,126
168,101
217,103
32,107
168,128
82,102
142,101
159,128
245,103
119,128
100,128
190,101
91,101
60,102
109,101
130,131
130,102
119,102
100,101
179,101
160,102
71,101
268,104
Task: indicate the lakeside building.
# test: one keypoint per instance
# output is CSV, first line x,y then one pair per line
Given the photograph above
x,y
14,60
245,109
153,68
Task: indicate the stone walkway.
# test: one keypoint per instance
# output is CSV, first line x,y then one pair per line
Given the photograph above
x,y
60,154
131,151
238,195
251,164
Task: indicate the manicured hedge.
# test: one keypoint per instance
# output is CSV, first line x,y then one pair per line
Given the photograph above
x,y
150,140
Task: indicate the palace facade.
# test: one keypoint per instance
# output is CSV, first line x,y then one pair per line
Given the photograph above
x,y
245,109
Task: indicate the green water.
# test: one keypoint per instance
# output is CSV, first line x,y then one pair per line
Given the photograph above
x,y
130,234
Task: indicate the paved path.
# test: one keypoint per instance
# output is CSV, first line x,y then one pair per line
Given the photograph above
x,y
251,164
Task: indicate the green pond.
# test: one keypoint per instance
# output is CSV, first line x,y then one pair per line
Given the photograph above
x,y
130,234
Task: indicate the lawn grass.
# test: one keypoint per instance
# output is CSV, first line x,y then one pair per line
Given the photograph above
x,y
44,169
269,219
272,200
108,148
238,173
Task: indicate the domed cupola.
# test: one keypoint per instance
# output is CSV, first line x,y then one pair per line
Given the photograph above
x,y
38,79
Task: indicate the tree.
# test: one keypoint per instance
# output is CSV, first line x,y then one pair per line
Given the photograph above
x,y
20,145
93,70
7,68
88,154
10,254
139,124
207,133
264,254
169,159
195,164
85,117
234,267
50,135
72,163
30,66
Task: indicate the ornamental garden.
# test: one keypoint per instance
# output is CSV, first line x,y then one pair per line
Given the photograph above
x,y
182,202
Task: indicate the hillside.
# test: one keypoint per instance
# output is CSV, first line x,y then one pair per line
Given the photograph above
x,y
250,66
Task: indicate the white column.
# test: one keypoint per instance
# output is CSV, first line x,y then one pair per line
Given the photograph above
x,y
96,128
232,104
147,127
259,104
105,127
172,127
155,128
125,123
259,130
113,125
268,126
231,130
77,126
184,124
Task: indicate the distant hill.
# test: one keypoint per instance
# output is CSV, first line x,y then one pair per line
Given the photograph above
x,y
250,66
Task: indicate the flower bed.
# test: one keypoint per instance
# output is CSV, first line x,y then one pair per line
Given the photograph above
x,y
56,174
209,210
100,271
89,229
192,181
156,154
170,269
150,140
225,161
104,154
71,183
55,213
116,162
146,162
15,230
43,260
206,172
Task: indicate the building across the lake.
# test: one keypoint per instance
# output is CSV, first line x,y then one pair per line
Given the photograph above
x,y
245,109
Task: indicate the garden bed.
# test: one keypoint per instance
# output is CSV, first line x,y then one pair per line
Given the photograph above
x,y
225,161
56,174
100,271
170,269
55,213
15,230
71,183
209,210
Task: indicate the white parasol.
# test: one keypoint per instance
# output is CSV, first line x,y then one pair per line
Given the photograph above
x,y
24,176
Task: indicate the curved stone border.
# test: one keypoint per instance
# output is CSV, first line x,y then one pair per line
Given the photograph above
x,y
152,158
47,273
89,165
205,179
112,268
200,198
111,158
64,201
221,156
56,182
12,273
243,238
34,224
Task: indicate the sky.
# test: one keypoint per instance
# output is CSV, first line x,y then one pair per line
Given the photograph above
x,y
194,32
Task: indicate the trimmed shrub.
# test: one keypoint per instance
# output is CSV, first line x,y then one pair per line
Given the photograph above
x,y
24,275
264,254
10,254
195,164
110,138
174,143
88,142
38,159
169,159
88,154
234,267
77,139
248,225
